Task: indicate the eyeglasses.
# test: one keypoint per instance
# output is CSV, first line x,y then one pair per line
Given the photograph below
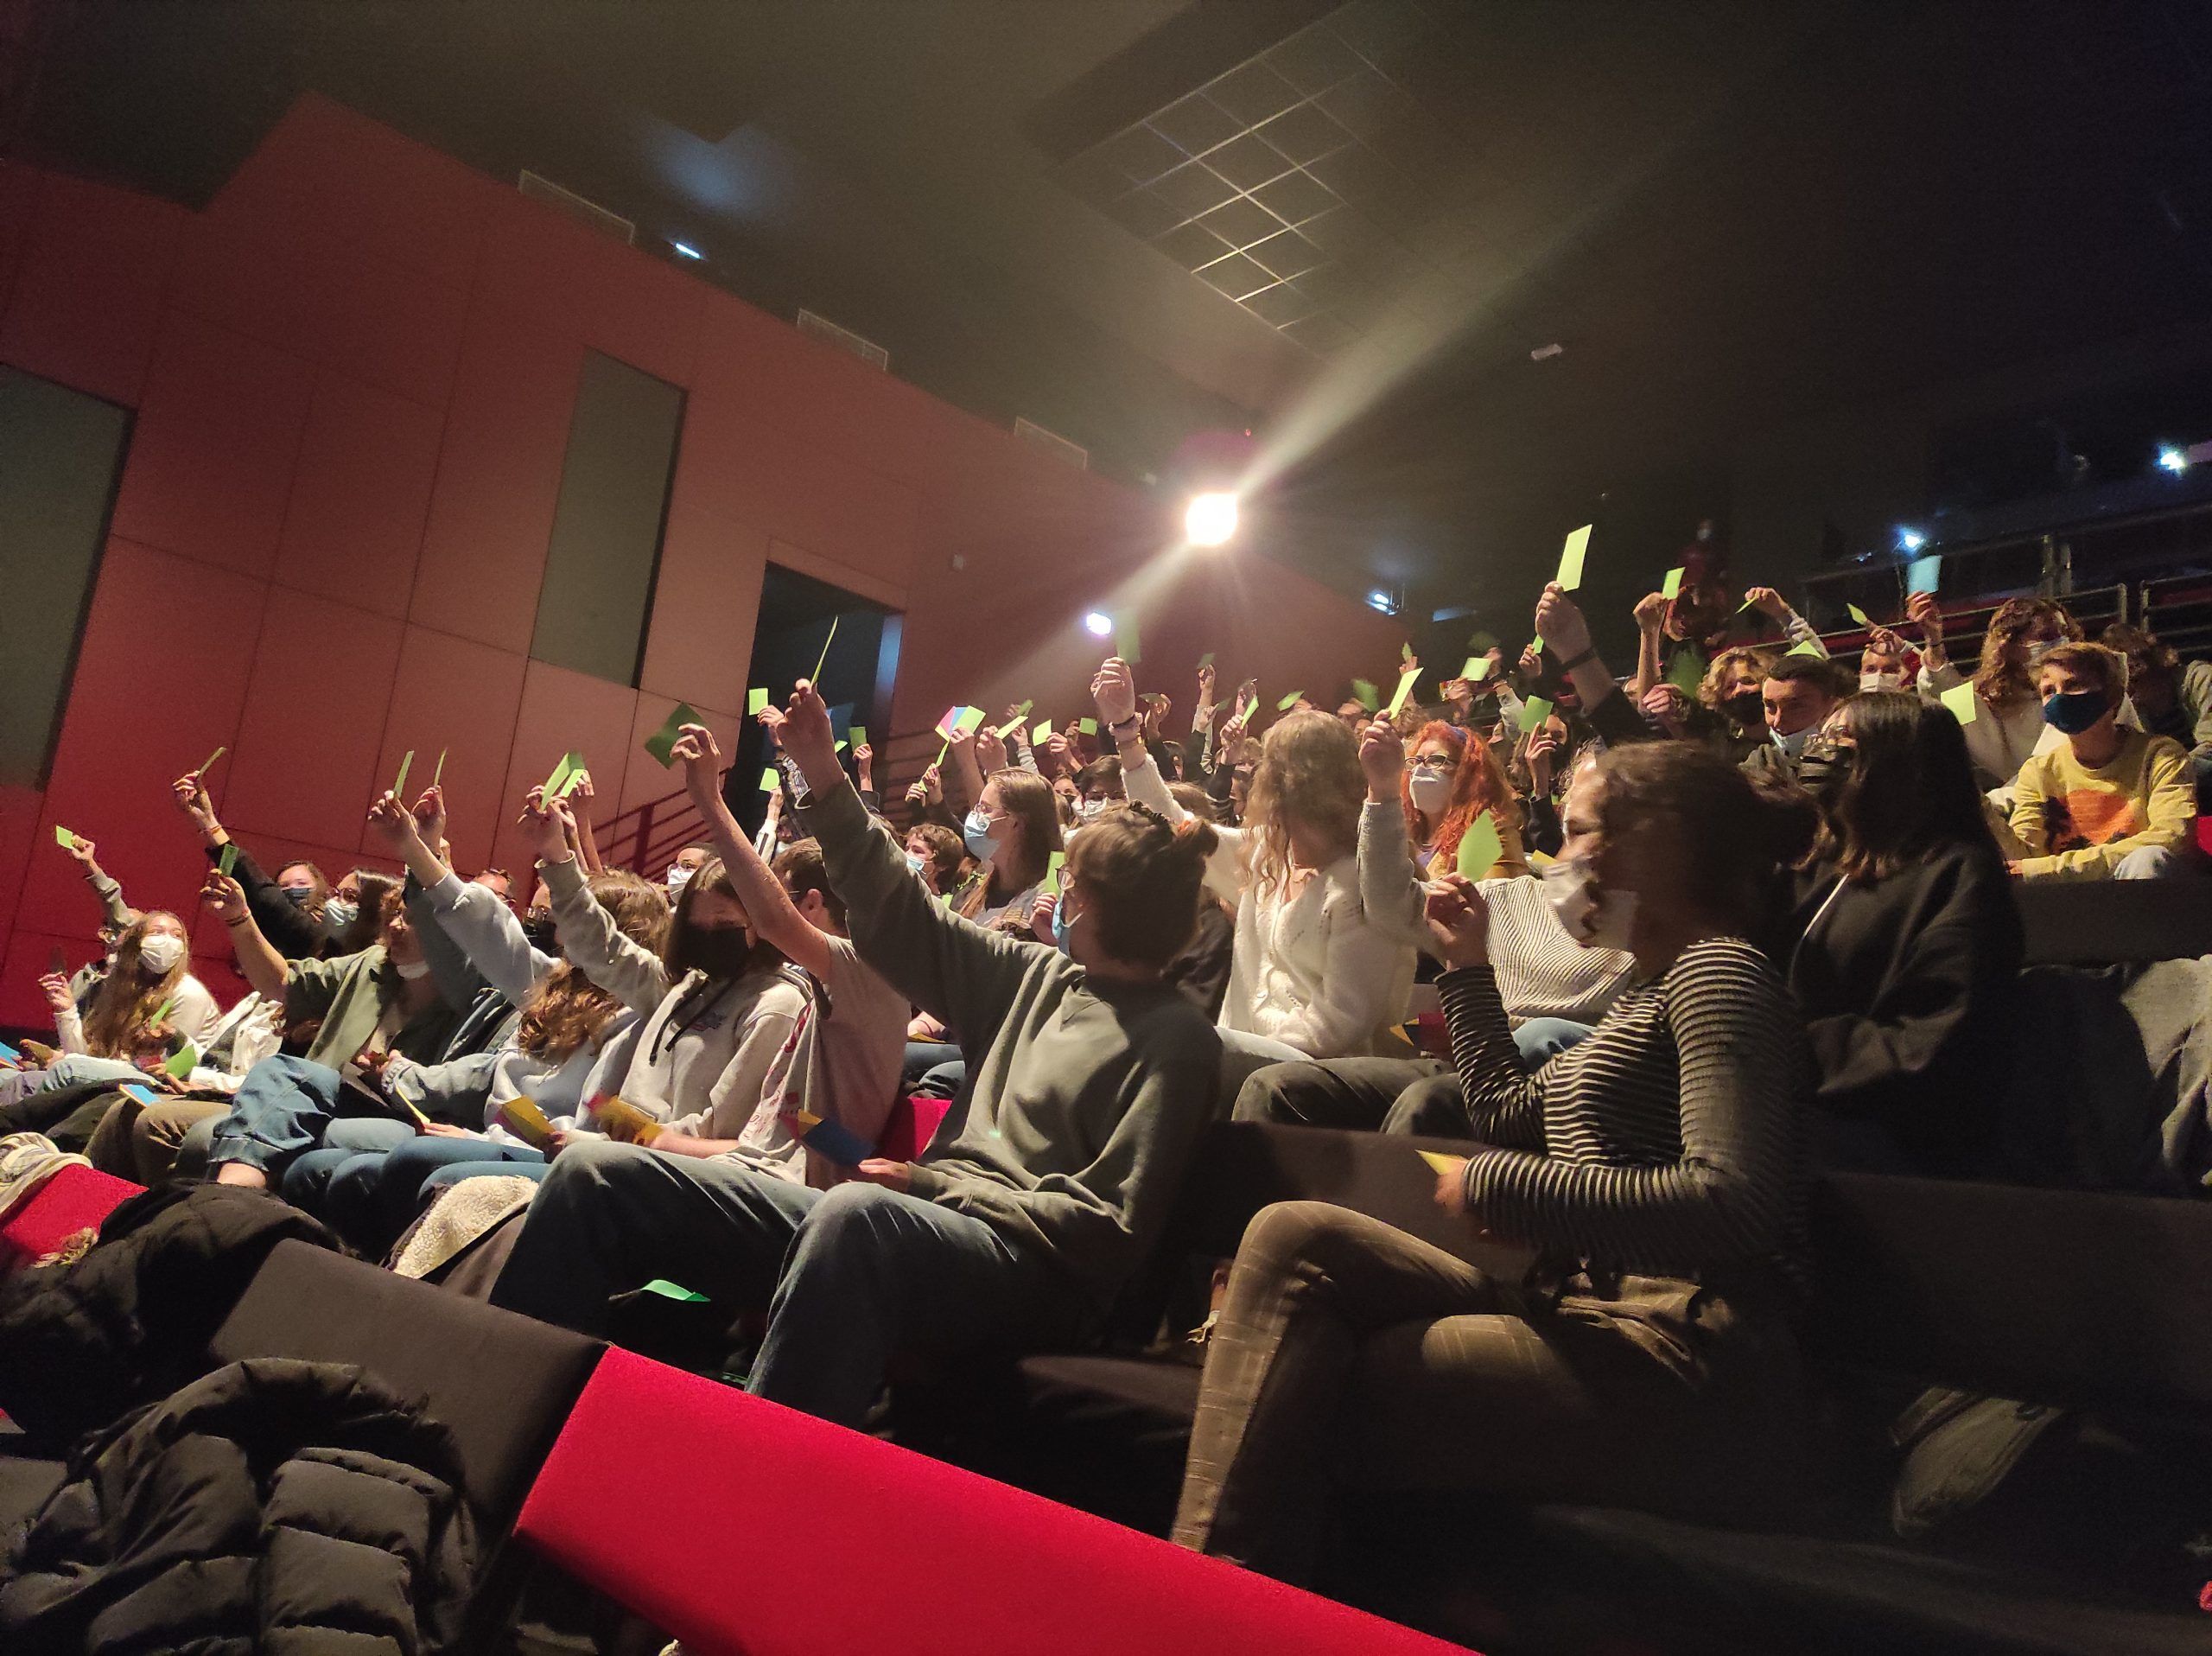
x,y
1435,762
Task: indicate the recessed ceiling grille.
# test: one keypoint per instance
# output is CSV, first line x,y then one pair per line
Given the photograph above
x,y
1286,184
590,212
844,339
1052,443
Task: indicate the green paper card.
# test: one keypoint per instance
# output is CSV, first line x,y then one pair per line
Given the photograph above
x,y
662,743
1406,654
1052,865
1686,672
1366,695
1126,643
1289,701
969,718
576,769
1923,573
559,779
1086,727
1478,668
1960,699
1405,688
1571,557
859,735
1480,847
814,677
950,722
1672,586
771,780
1809,647
839,746
181,1063
1206,660
1008,728
1860,616
1483,643
1042,733
161,1011
1440,1163
669,1290
64,839
229,859
756,703
1022,709
1534,712
399,787
439,775
207,763
1537,644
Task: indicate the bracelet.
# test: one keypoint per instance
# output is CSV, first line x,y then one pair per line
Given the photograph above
x,y
242,919
1136,728
1572,662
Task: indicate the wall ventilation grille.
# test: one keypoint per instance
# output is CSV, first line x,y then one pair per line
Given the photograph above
x,y
590,212
1052,443
844,339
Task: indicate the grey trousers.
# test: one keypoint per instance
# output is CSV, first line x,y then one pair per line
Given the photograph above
x,y
849,1275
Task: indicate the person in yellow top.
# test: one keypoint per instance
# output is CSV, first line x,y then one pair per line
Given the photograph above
x,y
2112,803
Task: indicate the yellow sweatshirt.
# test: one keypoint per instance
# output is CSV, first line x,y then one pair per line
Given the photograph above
x,y
2077,823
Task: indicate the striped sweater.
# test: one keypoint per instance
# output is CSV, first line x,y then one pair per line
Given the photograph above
x,y
1668,1143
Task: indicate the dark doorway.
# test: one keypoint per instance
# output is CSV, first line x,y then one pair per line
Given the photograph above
x,y
796,614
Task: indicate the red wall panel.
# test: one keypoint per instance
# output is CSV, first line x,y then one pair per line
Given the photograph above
x,y
464,697
161,681
646,780
304,763
563,710
498,480
86,302
19,191
388,325
700,639
359,496
211,459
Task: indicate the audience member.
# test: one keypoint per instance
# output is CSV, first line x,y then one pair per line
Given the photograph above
x,y
1796,696
2008,723
1655,1169
2173,697
2108,802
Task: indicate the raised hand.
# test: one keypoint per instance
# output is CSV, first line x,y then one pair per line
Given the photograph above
x,y
1888,642
1206,685
1667,706
582,791
431,816
1115,691
1458,921
990,751
806,737
1041,912
1382,758
1541,755
1767,602
389,821
1559,619
702,760
223,897
82,849
772,721
542,829
192,799
55,988
1921,608
1650,613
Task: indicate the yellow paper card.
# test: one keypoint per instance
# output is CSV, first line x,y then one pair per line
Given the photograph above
x,y
1438,1161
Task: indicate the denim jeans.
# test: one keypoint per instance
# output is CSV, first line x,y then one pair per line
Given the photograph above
x,y
282,1109
849,1275
1419,1096
375,1195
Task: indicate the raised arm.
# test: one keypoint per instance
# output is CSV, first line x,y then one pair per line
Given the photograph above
x,y
625,968
114,909
1389,889
1115,691
1650,617
956,972
261,966
767,903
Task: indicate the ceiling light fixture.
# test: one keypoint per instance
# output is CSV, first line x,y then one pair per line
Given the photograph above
x,y
685,250
1910,539
1098,623
1209,520
2173,460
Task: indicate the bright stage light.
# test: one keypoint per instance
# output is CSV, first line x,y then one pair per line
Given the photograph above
x,y
1912,540
1211,519
2173,460
1098,623
685,250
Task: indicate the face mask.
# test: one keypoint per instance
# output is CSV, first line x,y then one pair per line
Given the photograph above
x,y
1825,770
2037,652
2076,713
1592,916
159,953
1061,925
718,951
679,877
913,863
1745,707
1793,744
539,930
411,970
340,913
982,844
1871,682
1091,809
1432,791
299,894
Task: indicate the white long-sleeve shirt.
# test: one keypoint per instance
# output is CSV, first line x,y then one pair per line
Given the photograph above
x,y
195,1012
1310,967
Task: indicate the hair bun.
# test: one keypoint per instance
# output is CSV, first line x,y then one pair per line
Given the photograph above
x,y
1195,837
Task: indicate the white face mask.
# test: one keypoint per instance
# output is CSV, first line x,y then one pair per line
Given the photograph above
x,y
160,953
1794,743
679,877
1432,791
338,914
1871,682
1592,915
411,969
1091,809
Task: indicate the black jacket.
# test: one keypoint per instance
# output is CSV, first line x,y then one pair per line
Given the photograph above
x,y
81,1343
271,1506
1908,985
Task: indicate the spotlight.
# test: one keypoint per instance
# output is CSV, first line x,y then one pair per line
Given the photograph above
x,y
1381,601
1097,623
1912,540
1211,519
685,250
2173,460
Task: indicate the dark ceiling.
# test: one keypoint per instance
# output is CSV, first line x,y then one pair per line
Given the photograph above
x,y
1137,221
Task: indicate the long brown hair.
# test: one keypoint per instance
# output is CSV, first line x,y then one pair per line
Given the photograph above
x,y
1309,769
123,1006
566,1008
1029,799
1910,790
1479,784
2002,683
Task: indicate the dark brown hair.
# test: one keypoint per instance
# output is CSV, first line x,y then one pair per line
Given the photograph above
x,y
800,867
1910,790
1029,799
1140,880
1726,839
566,1008
2107,667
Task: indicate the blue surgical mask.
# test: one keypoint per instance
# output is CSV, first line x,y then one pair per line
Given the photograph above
x,y
299,894
2075,713
1793,744
913,862
982,844
1060,924
338,914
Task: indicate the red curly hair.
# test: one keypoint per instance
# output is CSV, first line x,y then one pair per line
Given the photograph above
x,y
1479,784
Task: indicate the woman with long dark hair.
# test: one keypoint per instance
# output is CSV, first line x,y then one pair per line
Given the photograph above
x,y
1902,943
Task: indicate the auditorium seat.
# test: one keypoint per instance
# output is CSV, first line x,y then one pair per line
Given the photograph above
x,y
76,1199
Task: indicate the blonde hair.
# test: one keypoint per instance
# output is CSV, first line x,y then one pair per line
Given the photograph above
x,y
565,1009
122,1008
1308,771
1709,688
1998,681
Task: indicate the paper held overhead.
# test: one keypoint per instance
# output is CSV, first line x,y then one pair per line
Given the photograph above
x,y
1672,586
1571,557
662,743
1406,680
1534,712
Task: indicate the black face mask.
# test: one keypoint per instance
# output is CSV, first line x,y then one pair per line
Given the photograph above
x,y
1746,707
539,929
718,951
1823,770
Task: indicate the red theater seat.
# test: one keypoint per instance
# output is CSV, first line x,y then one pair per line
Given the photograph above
x,y
907,1128
740,1526
75,1199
